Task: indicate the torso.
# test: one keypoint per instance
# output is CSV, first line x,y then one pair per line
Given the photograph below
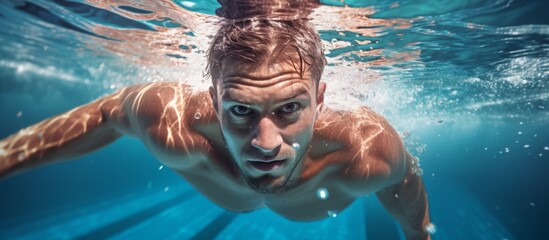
x,y
186,137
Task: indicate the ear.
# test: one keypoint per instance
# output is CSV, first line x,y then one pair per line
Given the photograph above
x,y
320,96
213,95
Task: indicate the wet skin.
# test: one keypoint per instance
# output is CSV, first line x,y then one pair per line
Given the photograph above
x,y
260,138
267,113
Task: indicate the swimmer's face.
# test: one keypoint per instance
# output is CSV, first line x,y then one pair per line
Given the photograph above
x,y
267,115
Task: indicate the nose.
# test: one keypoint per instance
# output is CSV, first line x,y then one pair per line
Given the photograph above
x,y
267,138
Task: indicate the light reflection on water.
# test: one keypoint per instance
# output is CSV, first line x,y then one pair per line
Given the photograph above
x,y
413,61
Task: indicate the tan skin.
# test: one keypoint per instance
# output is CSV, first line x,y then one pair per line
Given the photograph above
x,y
237,144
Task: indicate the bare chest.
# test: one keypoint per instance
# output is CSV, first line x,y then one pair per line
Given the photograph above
x,y
315,199
201,161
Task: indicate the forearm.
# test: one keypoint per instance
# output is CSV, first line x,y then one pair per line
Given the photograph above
x,y
407,202
68,135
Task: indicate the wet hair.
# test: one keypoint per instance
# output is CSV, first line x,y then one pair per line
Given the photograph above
x,y
264,41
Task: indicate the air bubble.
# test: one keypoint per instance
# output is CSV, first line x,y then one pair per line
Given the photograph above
x,y
188,4
430,228
333,41
506,150
161,167
332,213
322,193
166,189
526,146
197,115
546,148
296,146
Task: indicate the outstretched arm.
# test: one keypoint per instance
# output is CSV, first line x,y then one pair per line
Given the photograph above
x,y
65,136
407,202
381,163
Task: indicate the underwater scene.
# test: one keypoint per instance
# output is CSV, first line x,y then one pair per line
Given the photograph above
x,y
465,83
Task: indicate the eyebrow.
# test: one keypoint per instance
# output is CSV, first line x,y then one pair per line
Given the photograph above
x,y
232,97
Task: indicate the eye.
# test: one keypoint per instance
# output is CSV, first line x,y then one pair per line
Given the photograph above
x,y
240,110
290,108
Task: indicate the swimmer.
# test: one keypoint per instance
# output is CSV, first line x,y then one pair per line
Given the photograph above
x,y
260,137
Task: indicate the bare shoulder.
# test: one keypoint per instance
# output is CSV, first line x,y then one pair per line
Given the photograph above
x,y
380,142
373,154
153,99
166,112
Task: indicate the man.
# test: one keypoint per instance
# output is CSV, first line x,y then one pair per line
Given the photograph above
x,y
261,137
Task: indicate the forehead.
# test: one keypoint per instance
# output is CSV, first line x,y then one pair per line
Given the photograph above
x,y
261,83
287,60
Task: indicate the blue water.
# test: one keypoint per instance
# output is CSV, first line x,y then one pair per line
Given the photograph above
x,y
465,82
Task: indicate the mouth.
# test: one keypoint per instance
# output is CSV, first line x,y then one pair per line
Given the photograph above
x,y
267,166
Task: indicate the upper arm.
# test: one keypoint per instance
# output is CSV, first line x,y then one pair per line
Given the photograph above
x,y
388,149
379,157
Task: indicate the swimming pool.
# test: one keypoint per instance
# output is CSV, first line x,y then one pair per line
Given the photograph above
x,y
465,82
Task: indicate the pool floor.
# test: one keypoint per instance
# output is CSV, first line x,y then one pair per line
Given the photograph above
x,y
182,213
